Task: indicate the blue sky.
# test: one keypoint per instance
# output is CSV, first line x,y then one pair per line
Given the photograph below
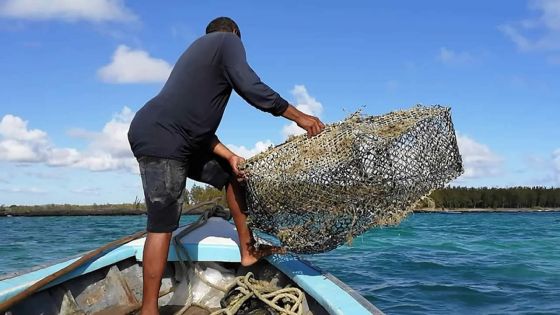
x,y
74,73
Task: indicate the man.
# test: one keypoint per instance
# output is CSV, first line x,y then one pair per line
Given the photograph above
x,y
173,137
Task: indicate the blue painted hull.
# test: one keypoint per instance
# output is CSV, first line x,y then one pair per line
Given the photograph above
x,y
214,242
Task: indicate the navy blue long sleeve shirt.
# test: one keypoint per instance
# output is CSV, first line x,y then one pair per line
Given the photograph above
x,y
182,119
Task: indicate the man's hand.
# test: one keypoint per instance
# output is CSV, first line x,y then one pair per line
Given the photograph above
x,y
309,123
234,161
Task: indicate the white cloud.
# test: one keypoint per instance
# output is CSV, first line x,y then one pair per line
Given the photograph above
x,y
305,103
24,190
134,66
67,10
550,13
15,128
100,162
20,144
107,149
519,40
450,57
478,159
539,33
63,157
113,137
13,150
245,152
292,130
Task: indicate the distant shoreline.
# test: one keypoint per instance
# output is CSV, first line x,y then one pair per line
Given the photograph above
x,y
448,200
486,210
69,213
53,211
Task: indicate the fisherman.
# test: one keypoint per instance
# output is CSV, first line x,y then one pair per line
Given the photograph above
x,y
173,137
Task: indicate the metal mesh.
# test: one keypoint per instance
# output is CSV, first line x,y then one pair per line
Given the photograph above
x,y
316,194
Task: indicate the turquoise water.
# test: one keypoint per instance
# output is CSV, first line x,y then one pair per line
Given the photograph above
x,y
430,264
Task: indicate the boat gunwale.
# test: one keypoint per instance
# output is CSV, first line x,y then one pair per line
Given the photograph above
x,y
324,287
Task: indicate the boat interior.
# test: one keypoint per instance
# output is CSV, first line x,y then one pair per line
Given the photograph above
x,y
187,288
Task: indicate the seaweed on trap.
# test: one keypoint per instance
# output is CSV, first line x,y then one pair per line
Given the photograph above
x,y
365,171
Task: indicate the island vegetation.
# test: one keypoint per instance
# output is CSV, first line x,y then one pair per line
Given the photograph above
x,y
195,195
462,198
493,198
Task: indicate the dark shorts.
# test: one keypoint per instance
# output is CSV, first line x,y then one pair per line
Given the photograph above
x,y
164,181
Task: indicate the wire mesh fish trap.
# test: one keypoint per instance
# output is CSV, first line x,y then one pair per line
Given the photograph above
x,y
316,194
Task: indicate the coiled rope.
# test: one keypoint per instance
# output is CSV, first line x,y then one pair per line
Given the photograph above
x,y
247,287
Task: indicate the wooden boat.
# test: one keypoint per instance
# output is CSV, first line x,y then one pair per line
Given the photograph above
x,y
111,283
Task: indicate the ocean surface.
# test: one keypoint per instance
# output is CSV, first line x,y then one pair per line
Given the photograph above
x,y
492,263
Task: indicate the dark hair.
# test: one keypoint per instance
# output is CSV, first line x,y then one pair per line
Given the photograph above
x,y
223,24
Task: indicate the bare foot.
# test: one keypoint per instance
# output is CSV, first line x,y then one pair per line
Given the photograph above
x,y
255,254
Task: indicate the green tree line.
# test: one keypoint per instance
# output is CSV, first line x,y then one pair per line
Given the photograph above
x,y
195,195
199,194
485,197
449,198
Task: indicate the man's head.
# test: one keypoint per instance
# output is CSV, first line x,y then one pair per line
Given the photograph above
x,y
223,24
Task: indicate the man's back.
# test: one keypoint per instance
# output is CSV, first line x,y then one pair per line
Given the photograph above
x,y
186,113
173,138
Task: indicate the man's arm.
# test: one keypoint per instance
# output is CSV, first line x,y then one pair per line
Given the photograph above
x,y
245,81
250,87
233,159
311,124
